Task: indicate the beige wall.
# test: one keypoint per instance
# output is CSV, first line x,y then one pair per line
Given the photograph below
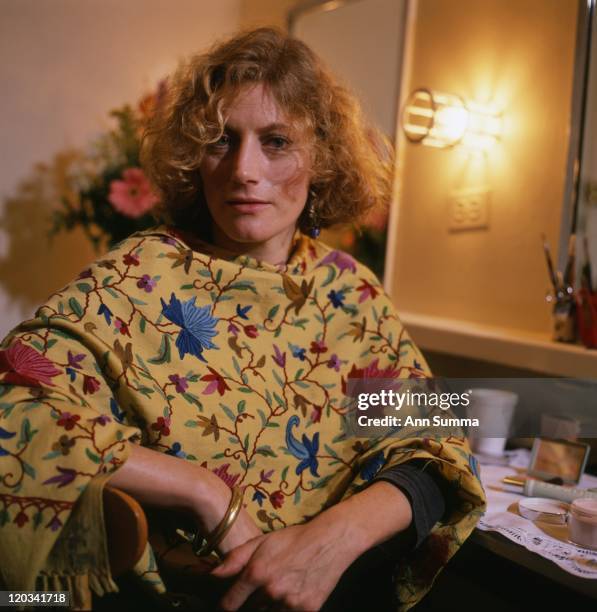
x,y
265,12
519,55
65,64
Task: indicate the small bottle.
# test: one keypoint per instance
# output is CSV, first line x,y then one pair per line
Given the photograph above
x,y
582,522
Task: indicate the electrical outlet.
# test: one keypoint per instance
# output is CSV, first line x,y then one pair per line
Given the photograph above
x,y
469,209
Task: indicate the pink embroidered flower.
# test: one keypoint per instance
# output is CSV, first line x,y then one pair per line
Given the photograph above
x,y
132,196
68,420
251,331
342,260
162,425
316,414
122,327
265,476
25,366
373,371
215,382
180,382
277,499
232,328
222,472
85,274
367,290
130,259
90,385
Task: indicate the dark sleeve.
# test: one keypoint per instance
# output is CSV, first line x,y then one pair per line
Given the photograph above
x,y
425,496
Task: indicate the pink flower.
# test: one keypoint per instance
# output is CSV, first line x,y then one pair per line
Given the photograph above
x,y
132,196
90,384
222,472
25,366
122,327
216,382
342,261
251,331
279,357
367,290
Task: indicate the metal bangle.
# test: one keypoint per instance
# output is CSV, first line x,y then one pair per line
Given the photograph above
x,y
205,546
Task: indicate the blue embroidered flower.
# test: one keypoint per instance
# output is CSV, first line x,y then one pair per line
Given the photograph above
x,y
258,496
372,466
337,298
118,414
72,374
474,465
242,312
298,352
104,310
198,326
176,451
305,451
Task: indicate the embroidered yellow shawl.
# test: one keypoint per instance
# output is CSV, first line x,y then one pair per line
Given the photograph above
x,y
224,360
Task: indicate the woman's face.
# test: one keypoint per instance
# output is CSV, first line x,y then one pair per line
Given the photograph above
x,y
256,177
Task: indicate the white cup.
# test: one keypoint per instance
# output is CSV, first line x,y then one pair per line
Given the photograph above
x,y
494,409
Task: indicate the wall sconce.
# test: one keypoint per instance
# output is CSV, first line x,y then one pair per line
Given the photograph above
x,y
444,120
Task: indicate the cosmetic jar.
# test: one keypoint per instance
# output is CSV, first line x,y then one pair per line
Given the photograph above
x,y
582,522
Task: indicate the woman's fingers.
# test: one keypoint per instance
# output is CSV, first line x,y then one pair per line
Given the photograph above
x,y
236,559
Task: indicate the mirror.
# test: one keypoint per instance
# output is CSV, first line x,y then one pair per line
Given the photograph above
x,y
372,70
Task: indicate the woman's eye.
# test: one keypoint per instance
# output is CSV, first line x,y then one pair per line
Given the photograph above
x,y
277,142
222,141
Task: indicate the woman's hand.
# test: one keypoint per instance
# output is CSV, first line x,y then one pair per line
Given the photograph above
x,y
296,567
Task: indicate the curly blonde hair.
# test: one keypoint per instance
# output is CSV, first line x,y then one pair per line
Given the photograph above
x,y
352,163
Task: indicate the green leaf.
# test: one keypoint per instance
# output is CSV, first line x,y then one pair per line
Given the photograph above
x,y
246,443
50,343
191,424
278,379
266,451
142,323
242,286
262,416
218,276
273,424
163,355
38,345
302,384
330,277
273,311
113,293
75,306
241,406
297,496
92,456
187,286
84,287
245,390
28,470
107,280
236,366
137,301
284,472
229,413
278,399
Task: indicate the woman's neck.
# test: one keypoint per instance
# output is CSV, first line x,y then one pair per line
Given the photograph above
x,y
275,250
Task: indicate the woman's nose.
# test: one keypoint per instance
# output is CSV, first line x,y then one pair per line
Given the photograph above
x,y
245,163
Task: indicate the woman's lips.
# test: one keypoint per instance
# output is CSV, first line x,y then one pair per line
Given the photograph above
x,y
248,206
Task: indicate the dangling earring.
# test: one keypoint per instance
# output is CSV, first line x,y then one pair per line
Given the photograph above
x,y
314,229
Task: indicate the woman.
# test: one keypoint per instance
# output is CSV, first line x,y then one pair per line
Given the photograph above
x,y
213,353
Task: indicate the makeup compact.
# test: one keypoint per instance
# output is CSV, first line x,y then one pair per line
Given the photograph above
x,y
543,509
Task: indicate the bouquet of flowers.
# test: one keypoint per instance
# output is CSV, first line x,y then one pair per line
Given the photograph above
x,y
109,196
